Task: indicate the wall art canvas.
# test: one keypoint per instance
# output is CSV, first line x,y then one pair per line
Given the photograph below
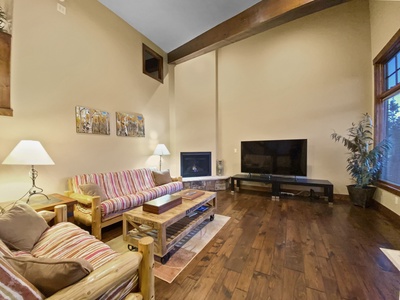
x,y
89,120
6,13
130,124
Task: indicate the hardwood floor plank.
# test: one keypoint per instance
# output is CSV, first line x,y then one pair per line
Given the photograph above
x,y
312,273
257,290
294,285
228,285
289,249
315,295
247,273
239,295
350,286
328,276
294,258
236,260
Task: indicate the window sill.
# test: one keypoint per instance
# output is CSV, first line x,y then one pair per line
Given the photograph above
x,y
389,187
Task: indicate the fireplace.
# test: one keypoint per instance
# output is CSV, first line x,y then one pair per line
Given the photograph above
x,y
195,164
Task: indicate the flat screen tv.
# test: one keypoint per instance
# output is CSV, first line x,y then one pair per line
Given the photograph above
x,y
274,157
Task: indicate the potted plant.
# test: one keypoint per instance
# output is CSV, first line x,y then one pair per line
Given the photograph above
x,y
365,159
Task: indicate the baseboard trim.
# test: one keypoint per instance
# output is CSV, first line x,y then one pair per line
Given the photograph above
x,y
391,215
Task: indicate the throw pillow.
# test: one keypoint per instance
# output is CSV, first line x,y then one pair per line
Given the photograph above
x,y
50,275
4,249
47,215
15,286
93,189
161,177
21,227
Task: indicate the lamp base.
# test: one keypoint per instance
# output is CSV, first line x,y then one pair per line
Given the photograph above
x,y
36,193
34,190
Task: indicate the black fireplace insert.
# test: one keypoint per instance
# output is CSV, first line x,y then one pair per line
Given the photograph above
x,y
195,164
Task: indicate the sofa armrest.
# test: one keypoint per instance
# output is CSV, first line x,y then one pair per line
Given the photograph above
x,y
115,272
102,279
59,214
84,199
178,178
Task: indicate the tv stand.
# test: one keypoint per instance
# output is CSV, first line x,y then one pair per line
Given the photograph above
x,y
277,181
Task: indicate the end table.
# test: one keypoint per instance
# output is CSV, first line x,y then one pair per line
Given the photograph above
x,y
41,203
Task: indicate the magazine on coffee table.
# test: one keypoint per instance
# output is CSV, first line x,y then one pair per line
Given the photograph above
x,y
191,194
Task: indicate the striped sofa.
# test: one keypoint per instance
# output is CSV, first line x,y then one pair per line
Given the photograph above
x,y
122,191
113,275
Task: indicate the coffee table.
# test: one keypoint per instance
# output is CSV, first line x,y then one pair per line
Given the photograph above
x,y
169,227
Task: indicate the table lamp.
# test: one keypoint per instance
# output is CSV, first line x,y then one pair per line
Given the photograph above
x,y
161,150
29,153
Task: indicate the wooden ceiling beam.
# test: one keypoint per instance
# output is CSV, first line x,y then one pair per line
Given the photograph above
x,y
262,16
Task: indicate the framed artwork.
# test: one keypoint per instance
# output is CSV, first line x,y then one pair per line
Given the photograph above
x,y
6,11
130,124
89,120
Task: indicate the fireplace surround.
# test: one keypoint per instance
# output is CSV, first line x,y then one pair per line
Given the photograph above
x,y
195,164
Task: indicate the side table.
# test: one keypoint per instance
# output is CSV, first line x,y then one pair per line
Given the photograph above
x,y
41,203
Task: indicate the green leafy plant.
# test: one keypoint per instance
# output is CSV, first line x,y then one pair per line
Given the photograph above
x,y
365,160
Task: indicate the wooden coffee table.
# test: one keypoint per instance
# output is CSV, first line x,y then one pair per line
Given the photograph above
x,y
169,227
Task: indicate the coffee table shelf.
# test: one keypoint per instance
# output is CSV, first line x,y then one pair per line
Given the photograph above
x,y
169,227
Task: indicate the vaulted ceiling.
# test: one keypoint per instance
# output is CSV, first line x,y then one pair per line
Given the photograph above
x,y
188,28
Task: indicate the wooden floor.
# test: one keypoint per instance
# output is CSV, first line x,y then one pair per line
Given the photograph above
x,y
291,249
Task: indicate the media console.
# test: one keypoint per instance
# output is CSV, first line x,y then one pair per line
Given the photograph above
x,y
276,182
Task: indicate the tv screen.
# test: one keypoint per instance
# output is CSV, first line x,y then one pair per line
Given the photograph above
x,y
275,157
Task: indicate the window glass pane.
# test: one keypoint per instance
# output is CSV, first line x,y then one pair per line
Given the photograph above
x,y
391,66
398,60
391,81
398,76
390,172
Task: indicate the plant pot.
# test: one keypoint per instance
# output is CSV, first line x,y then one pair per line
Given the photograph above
x,y
361,196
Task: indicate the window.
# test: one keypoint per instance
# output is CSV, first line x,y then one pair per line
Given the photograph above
x,y
387,110
152,64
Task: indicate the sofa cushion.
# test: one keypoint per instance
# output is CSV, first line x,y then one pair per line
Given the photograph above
x,y
50,275
27,227
120,204
14,285
66,240
93,189
125,182
161,177
4,250
142,179
84,179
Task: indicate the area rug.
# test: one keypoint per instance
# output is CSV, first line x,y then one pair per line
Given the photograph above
x,y
393,255
184,251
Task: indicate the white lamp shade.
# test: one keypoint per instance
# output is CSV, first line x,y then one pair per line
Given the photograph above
x,y
161,149
28,153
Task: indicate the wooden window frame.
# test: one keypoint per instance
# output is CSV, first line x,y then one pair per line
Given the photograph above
x,y
381,93
160,62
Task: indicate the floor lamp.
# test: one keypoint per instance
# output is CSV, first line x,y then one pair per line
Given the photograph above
x,y
161,150
30,153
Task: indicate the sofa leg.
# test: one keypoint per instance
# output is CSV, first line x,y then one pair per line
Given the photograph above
x,y
96,217
146,275
96,231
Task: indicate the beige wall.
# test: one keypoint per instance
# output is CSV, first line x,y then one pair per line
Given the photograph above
x,y
385,22
300,80
88,57
195,107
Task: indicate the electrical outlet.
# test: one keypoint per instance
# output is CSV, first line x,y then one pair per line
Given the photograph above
x,y
396,200
61,8
235,150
